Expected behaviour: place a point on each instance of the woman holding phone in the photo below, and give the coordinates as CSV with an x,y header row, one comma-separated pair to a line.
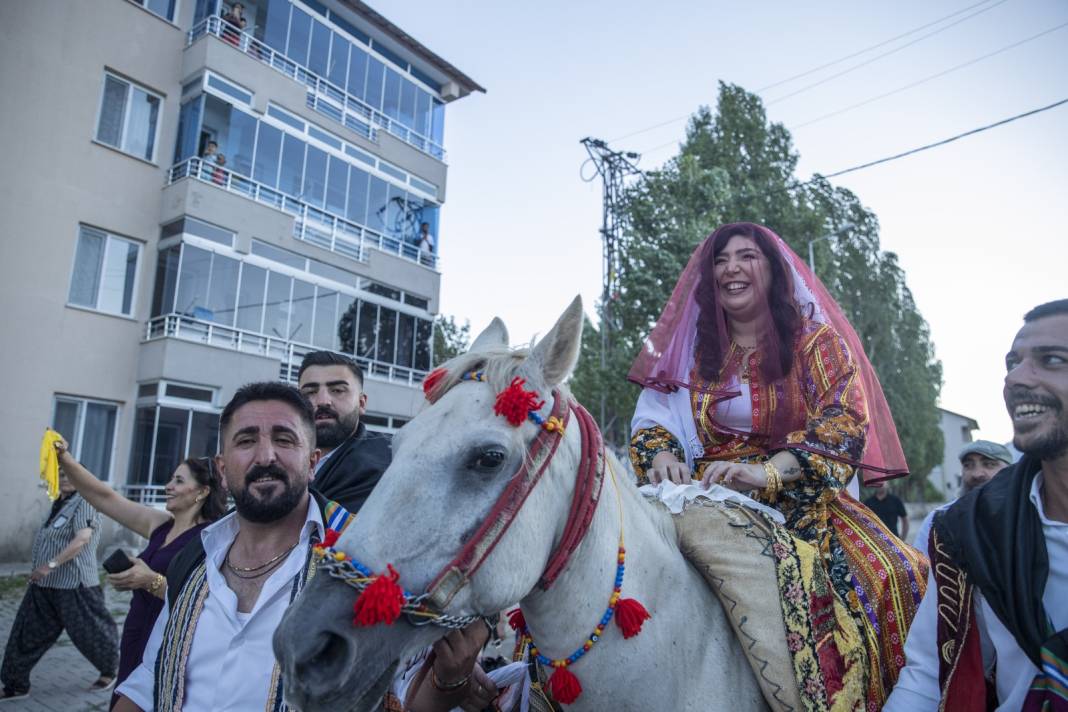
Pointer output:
x,y
195,497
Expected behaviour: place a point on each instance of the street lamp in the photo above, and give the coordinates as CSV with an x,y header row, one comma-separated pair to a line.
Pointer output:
x,y
811,254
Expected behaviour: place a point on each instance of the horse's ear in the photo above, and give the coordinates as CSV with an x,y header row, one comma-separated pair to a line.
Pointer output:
x,y
495,336
557,354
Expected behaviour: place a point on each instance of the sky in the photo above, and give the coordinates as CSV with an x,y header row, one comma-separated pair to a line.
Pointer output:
x,y
979,225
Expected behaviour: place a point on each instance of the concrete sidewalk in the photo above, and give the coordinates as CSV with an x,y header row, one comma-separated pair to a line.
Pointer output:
x,y
60,681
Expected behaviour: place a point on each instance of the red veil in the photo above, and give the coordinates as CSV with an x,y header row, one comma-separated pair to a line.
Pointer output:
x,y
666,360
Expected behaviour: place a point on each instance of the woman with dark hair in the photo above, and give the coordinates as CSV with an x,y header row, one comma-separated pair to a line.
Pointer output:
x,y
755,384
196,497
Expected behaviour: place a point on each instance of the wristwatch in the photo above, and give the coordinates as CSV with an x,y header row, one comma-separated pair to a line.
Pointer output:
x,y
52,564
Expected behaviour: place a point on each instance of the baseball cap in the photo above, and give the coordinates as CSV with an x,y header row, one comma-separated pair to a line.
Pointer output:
x,y
986,448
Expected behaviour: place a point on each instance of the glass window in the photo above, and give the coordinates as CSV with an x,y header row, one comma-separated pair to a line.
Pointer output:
x,y
324,334
348,314
391,95
339,59
166,280
292,168
299,33
229,89
314,177
276,26
222,292
407,105
105,270
238,143
356,210
171,428
300,320
337,185
422,112
437,123
129,118
268,148
89,427
387,335
319,54
193,279
277,254
203,435
375,72
141,457
188,129
405,340
250,298
276,311
163,8
367,330
357,79
424,334
165,436
377,205
203,10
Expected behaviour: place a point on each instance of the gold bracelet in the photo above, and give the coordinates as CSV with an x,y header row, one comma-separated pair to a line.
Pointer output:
x,y
157,585
448,686
774,485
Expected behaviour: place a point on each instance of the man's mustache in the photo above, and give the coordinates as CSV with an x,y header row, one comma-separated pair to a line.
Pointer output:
x,y
258,471
327,411
1018,395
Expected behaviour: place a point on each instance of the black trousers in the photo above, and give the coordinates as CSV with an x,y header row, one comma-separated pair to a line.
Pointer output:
x,y
43,615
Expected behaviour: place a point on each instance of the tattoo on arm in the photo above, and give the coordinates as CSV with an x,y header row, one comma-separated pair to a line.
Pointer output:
x,y
791,471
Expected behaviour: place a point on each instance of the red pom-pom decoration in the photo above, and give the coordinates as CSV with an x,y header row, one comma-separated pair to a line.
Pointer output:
x,y
330,538
432,380
516,620
564,687
516,402
630,615
380,602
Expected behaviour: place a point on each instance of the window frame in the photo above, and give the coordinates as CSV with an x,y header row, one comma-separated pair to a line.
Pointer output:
x,y
76,441
130,84
95,307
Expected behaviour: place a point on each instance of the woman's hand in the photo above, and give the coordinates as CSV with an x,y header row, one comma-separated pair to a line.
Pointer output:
x,y
736,475
667,467
62,447
135,577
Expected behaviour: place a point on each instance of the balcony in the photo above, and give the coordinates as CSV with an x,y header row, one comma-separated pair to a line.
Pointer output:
x,y
326,98
152,495
312,225
289,353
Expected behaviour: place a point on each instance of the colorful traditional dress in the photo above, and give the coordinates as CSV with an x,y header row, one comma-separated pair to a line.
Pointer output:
x,y
880,578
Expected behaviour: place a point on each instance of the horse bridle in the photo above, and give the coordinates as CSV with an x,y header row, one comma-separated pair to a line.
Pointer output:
x,y
429,607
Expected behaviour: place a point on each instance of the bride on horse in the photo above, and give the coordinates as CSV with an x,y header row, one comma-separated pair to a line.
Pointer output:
x,y
754,379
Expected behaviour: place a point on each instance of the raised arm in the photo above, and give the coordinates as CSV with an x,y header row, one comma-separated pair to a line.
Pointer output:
x,y
138,518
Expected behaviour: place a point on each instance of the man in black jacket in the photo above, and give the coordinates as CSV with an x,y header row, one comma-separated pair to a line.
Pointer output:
x,y
353,458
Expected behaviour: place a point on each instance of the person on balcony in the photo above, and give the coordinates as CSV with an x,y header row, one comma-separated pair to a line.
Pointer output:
x,y
194,496
235,23
426,244
353,458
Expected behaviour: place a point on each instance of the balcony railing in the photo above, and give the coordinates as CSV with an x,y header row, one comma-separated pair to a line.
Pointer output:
x,y
289,353
313,225
324,96
152,495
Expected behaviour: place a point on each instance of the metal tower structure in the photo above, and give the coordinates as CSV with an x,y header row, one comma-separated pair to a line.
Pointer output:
x,y
614,167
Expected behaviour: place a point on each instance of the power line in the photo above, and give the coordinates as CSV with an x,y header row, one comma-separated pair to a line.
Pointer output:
x,y
823,66
928,78
877,57
869,49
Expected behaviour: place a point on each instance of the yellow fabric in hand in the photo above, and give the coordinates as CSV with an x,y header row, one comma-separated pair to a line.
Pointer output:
x,y
50,463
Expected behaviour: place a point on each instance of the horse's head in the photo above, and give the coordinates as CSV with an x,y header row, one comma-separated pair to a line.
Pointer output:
x,y
451,465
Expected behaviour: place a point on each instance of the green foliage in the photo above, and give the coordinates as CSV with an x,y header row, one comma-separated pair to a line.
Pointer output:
x,y
735,166
450,339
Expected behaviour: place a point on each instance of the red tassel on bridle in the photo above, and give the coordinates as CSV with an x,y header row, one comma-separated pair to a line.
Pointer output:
x,y
381,601
630,615
516,621
432,380
514,403
564,687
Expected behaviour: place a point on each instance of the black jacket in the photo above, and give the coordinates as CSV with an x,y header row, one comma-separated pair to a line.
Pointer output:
x,y
354,468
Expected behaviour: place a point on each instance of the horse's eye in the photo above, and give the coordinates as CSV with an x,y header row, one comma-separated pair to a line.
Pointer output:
x,y
487,460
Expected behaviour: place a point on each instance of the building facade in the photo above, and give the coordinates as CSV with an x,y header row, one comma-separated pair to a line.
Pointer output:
x,y
196,195
957,432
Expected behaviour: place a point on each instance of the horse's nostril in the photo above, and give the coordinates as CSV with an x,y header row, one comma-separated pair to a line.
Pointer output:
x,y
328,657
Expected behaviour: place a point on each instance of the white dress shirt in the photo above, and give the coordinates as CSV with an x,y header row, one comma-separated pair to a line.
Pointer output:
x,y
231,659
917,687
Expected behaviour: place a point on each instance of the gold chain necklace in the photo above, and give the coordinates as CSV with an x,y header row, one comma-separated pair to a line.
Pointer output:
x,y
248,569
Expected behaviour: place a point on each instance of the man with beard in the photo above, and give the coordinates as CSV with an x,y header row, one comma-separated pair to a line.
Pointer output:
x,y
353,458
227,590
995,633
979,462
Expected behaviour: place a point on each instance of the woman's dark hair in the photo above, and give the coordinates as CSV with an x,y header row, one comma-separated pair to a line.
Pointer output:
x,y
204,472
713,337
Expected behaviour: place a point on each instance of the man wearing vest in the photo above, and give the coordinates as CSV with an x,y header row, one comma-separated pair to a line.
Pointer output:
x,y
992,633
353,457
227,590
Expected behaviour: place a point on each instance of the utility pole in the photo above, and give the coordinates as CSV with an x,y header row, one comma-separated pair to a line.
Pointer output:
x,y
613,167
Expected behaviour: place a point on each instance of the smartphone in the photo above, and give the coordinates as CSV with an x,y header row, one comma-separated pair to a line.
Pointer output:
x,y
117,562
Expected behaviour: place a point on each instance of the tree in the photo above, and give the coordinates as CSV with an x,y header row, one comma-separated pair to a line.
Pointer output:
x,y
450,339
736,166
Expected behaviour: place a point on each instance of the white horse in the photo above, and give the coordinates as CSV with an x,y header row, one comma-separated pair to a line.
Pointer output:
x,y
450,464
